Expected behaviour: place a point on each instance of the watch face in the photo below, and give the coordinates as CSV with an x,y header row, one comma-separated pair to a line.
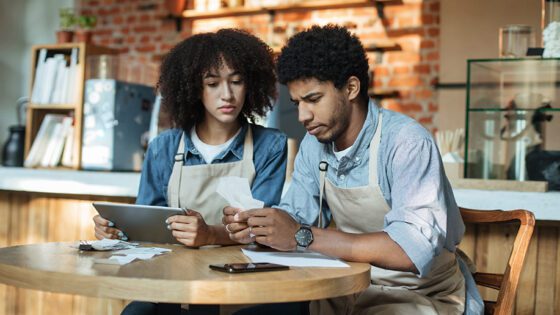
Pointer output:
x,y
304,237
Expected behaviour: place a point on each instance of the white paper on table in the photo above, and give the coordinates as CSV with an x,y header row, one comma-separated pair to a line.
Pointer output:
x,y
115,260
143,251
126,256
237,193
294,259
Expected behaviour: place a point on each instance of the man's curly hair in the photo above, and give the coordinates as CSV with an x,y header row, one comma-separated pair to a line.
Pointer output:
x,y
181,72
327,53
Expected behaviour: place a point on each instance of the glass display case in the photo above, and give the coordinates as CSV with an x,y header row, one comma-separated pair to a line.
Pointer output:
x,y
512,120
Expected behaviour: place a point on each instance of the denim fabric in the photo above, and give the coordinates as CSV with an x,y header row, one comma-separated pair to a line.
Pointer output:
x,y
424,217
269,158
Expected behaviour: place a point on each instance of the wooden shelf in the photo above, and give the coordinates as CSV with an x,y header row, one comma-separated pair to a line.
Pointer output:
x,y
37,112
383,93
52,106
300,6
383,45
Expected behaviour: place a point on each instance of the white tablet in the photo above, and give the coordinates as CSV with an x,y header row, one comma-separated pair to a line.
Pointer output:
x,y
139,222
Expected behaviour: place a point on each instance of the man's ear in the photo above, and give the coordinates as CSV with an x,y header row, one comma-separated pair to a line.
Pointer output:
x,y
353,88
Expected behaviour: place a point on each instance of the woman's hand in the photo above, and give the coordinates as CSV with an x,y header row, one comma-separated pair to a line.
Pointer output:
x,y
104,229
239,231
191,229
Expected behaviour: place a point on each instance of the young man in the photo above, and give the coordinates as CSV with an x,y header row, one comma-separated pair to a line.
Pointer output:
x,y
378,174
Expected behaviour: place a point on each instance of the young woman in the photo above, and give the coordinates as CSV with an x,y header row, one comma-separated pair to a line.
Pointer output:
x,y
213,85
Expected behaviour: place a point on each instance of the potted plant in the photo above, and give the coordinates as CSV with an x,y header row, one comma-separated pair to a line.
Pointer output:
x,y
67,22
85,24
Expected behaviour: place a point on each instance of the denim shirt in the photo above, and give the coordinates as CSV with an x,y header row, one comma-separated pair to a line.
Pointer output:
x,y
424,218
269,158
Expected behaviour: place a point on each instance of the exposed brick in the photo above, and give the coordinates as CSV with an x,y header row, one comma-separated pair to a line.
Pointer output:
x,y
411,107
433,32
427,43
146,48
409,81
428,19
380,71
432,56
145,29
401,70
423,94
422,69
117,20
143,39
426,120
434,7
404,57
433,108
131,19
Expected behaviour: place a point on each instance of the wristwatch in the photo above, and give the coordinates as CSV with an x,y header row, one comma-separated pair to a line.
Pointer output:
x,y
304,237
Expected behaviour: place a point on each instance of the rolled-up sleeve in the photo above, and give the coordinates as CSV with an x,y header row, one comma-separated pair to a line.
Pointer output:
x,y
301,200
418,217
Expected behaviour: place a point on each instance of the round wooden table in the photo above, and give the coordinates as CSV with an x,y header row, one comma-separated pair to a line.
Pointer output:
x,y
181,276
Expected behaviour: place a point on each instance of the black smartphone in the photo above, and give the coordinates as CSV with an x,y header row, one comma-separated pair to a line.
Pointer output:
x,y
248,267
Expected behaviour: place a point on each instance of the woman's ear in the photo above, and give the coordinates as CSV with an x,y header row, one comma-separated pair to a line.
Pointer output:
x,y
353,88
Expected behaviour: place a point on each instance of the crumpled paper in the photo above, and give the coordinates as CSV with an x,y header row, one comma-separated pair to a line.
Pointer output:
x,y
237,193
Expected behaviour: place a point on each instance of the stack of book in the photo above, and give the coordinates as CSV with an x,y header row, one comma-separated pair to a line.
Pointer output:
x,y
55,79
53,144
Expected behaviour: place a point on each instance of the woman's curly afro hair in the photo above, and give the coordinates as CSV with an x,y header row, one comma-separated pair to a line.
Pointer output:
x,y
327,53
180,81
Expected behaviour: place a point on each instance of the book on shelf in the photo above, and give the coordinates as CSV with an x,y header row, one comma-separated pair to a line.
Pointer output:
x,y
55,78
67,154
48,147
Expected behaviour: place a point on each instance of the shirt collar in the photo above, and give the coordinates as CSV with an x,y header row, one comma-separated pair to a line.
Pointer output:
x,y
364,137
236,147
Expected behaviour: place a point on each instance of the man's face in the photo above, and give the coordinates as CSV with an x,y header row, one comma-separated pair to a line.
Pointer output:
x,y
322,108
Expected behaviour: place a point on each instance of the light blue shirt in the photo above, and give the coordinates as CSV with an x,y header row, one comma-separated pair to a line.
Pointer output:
x,y
424,218
269,158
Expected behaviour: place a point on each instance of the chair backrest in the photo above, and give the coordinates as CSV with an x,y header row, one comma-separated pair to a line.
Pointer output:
x,y
507,282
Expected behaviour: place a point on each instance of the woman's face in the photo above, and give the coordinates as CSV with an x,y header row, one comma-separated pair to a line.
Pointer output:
x,y
223,94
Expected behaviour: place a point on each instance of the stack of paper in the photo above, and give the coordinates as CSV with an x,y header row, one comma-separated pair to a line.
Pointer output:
x,y
126,256
293,259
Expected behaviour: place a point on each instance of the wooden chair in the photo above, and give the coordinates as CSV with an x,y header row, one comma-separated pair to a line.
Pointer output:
x,y
505,283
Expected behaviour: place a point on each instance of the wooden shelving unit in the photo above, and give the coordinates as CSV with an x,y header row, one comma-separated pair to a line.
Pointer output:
x,y
36,112
383,93
300,6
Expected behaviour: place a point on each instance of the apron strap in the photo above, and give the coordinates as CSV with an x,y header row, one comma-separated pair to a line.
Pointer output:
x,y
374,145
248,145
323,167
175,180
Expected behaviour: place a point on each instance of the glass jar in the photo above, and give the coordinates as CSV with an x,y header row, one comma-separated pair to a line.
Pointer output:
x,y
514,40
102,67
551,11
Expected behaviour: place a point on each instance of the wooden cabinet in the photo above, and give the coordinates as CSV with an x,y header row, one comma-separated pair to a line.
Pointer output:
x,y
36,111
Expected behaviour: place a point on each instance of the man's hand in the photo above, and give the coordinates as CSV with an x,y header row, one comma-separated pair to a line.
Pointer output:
x,y
271,227
238,230
104,229
190,229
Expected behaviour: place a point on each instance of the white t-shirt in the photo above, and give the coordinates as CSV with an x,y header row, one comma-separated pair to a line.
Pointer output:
x,y
208,151
340,154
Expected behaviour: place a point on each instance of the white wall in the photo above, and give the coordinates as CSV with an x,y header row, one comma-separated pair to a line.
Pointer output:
x,y
469,29
23,23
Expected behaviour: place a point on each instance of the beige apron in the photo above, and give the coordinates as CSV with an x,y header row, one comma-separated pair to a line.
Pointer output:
x,y
362,210
194,186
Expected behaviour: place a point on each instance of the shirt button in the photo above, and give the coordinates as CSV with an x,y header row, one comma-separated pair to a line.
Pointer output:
x,y
341,176
357,159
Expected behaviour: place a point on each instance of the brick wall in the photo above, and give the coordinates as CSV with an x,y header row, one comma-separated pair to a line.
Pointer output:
x,y
139,29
